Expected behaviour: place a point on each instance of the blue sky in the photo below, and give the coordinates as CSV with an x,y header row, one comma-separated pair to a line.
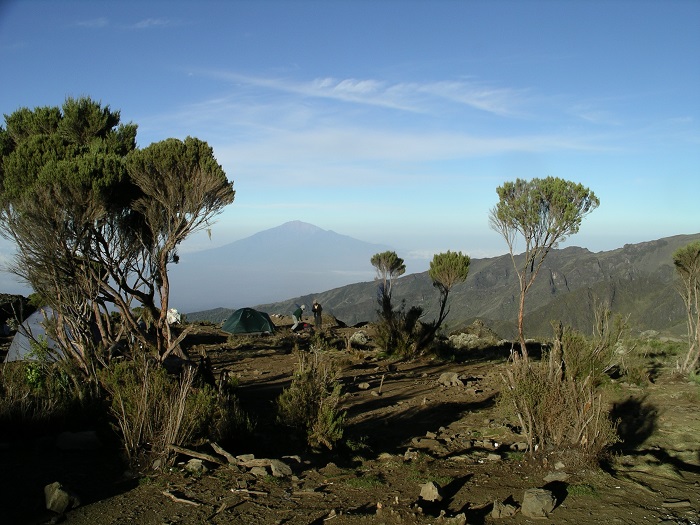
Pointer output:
x,y
392,121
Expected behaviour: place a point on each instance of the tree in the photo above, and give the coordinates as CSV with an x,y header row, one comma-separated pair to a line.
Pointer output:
x,y
62,178
687,263
447,270
183,188
390,267
544,212
96,221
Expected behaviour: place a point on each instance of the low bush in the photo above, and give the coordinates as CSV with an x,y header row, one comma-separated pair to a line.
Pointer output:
x,y
558,400
42,395
311,402
153,410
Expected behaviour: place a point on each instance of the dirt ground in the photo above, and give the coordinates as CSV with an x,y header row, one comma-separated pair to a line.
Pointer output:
x,y
403,430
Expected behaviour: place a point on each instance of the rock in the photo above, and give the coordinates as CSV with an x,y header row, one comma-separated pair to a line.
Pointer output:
x,y
538,503
430,492
359,338
196,466
410,455
59,499
503,510
433,445
280,469
363,386
676,503
259,472
493,457
556,476
450,379
459,519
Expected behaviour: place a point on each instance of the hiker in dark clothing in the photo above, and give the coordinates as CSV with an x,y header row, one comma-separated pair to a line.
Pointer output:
x,y
316,309
296,316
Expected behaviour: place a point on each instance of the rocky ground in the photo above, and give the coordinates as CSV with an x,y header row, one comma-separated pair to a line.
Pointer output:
x,y
425,443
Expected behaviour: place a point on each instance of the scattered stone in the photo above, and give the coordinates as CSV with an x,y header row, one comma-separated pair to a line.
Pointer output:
x,y
376,393
676,503
432,445
459,519
385,456
538,503
556,476
259,472
430,492
60,499
359,338
280,469
450,379
559,466
493,457
520,446
503,510
243,458
410,455
196,466
363,386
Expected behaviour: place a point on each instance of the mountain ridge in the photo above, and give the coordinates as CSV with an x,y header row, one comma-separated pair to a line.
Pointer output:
x,y
285,261
636,281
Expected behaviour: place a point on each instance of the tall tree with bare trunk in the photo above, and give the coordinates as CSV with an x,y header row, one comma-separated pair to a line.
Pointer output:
x,y
687,263
96,221
543,213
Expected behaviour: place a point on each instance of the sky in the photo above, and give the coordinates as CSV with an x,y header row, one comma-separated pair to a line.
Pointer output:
x,y
391,121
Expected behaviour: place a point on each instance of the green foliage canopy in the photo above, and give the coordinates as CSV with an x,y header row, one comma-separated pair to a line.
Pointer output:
x,y
389,267
448,269
687,263
543,212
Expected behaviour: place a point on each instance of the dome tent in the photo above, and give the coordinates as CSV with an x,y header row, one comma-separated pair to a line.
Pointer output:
x,y
248,321
32,329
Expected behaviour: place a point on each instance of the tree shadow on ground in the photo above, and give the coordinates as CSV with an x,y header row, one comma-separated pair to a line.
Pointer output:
x,y
637,421
393,431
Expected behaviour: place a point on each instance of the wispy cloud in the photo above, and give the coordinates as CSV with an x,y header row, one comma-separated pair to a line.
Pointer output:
x,y
93,23
407,96
594,115
148,23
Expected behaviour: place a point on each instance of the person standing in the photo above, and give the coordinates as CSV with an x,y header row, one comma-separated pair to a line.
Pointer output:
x,y
296,316
316,309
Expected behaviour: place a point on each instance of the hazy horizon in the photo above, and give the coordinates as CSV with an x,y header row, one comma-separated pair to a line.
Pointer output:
x,y
391,122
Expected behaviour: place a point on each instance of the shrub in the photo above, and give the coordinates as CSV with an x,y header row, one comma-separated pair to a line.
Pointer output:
x,y
399,331
558,400
311,402
154,410
43,394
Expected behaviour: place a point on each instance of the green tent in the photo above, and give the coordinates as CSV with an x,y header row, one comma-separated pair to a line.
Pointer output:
x,y
248,321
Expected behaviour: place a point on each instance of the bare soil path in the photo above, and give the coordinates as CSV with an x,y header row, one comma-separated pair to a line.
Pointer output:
x,y
404,429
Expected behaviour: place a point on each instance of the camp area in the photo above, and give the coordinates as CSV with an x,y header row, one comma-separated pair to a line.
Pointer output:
x,y
248,321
